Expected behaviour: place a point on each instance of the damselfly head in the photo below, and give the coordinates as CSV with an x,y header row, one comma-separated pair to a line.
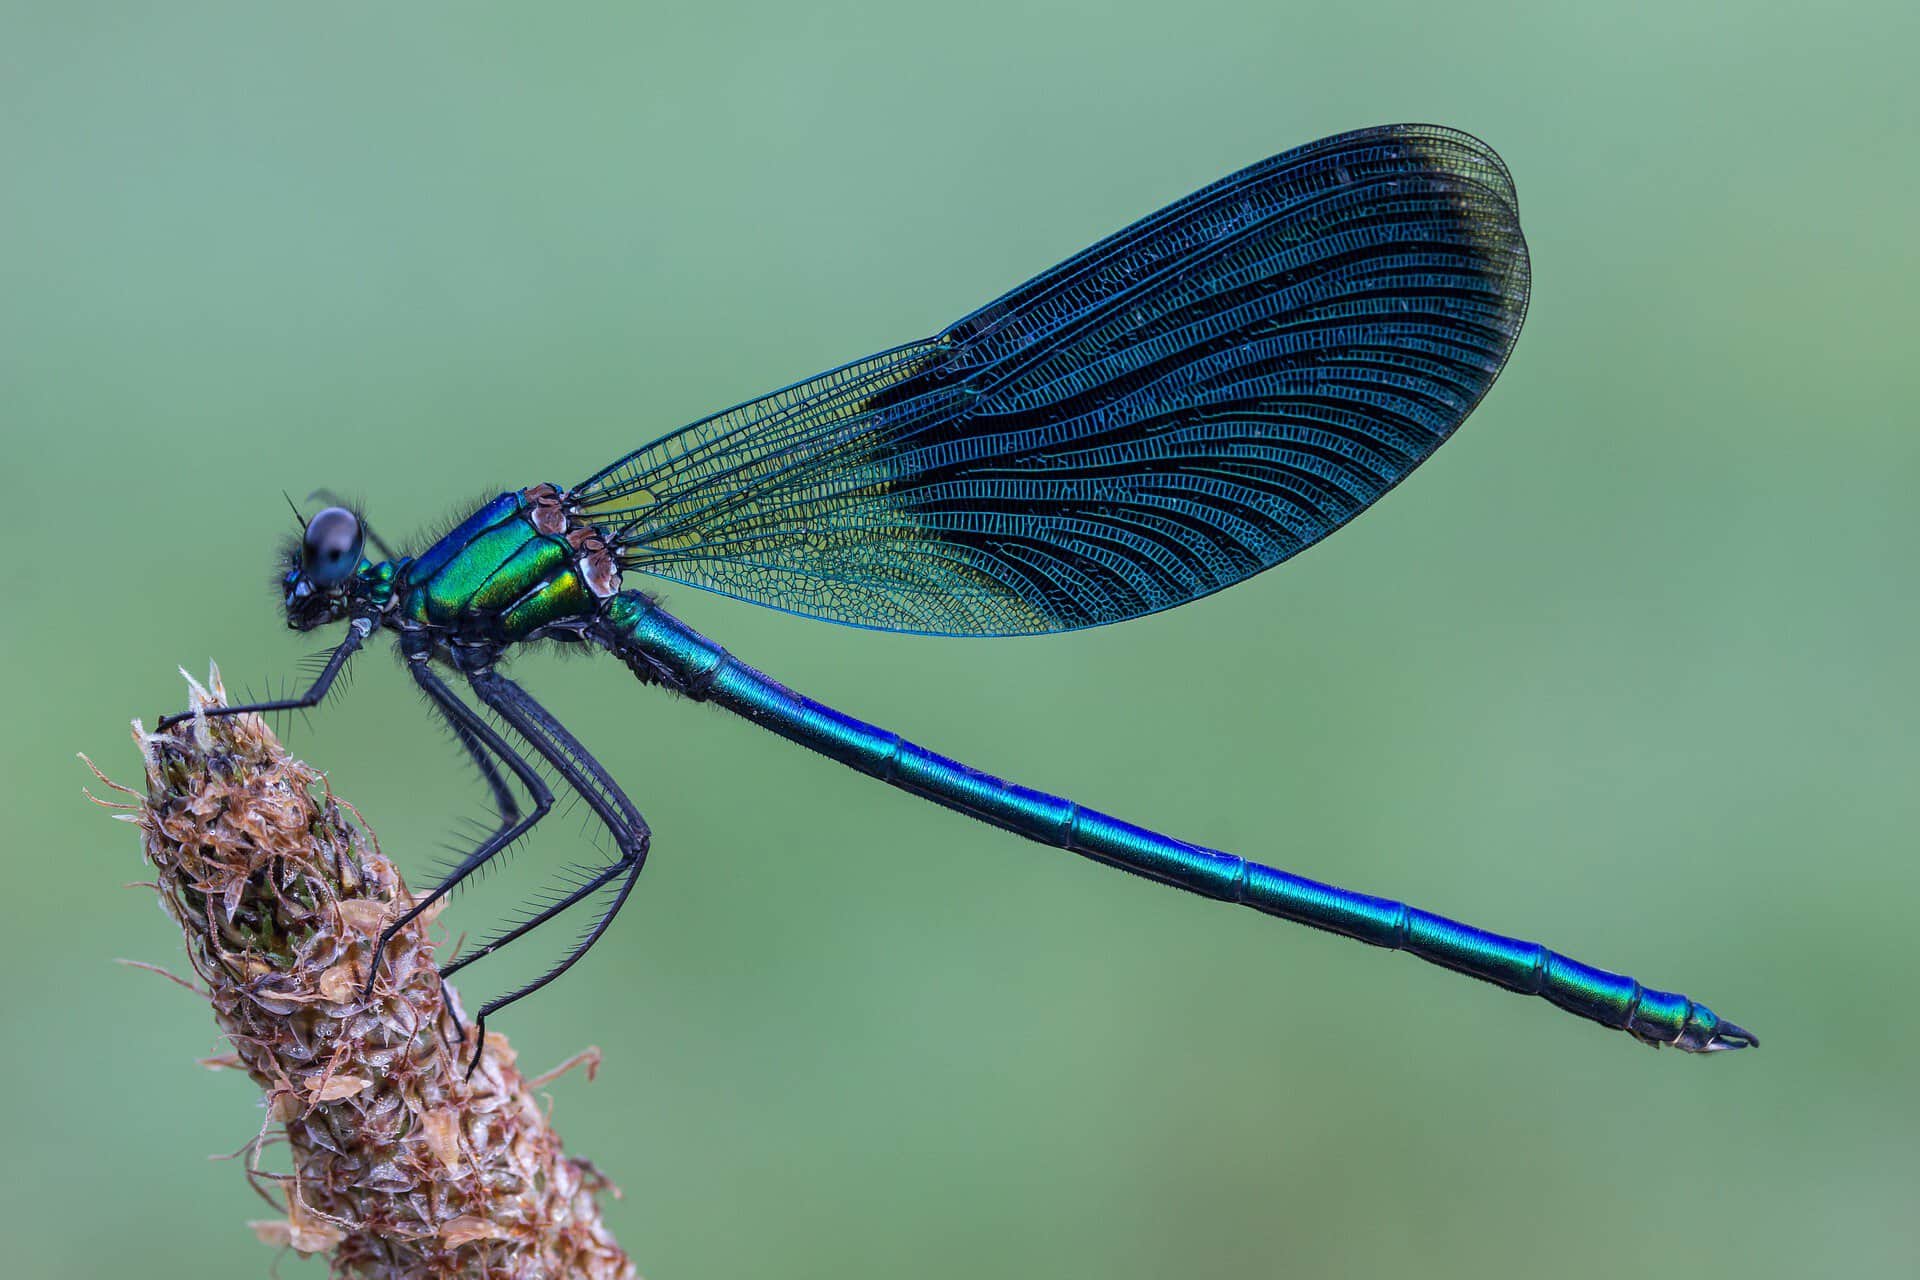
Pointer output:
x,y
321,569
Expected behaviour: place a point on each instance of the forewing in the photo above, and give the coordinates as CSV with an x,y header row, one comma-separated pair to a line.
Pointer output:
x,y
1182,405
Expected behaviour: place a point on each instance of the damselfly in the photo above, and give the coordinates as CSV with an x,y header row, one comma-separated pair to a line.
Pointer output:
x,y
1186,403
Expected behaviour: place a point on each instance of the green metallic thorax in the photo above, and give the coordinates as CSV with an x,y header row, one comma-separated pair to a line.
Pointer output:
x,y
495,577
377,581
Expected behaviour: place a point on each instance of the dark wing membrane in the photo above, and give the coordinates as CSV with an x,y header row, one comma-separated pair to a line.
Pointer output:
x,y
1184,404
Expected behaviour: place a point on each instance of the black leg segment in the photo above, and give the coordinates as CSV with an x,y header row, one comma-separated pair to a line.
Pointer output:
x,y
475,733
356,635
581,772
504,802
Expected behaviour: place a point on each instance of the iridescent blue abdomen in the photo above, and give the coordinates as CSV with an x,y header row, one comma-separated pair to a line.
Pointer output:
x,y
659,647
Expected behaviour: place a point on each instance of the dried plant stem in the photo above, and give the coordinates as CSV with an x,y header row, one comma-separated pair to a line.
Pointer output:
x,y
402,1167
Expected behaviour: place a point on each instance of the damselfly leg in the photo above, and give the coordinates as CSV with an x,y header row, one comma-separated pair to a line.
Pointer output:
x,y
504,803
581,772
316,692
474,733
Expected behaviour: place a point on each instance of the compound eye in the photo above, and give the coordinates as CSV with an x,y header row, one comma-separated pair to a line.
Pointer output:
x,y
331,550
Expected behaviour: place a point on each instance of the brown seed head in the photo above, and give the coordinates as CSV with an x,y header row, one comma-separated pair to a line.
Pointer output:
x,y
401,1167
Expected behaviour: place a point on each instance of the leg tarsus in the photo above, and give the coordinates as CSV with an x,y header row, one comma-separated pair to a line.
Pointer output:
x,y
453,1012
479,1042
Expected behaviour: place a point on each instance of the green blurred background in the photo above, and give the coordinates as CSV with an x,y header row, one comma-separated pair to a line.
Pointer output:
x,y
1628,667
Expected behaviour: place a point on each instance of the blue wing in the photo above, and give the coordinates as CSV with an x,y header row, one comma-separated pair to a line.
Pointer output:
x,y
1184,404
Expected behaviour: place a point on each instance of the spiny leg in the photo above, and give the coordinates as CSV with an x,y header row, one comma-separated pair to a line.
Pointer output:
x,y
583,774
503,802
504,805
603,795
356,635
472,729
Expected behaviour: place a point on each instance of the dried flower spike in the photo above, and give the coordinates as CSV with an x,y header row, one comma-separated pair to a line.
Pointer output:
x,y
402,1166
